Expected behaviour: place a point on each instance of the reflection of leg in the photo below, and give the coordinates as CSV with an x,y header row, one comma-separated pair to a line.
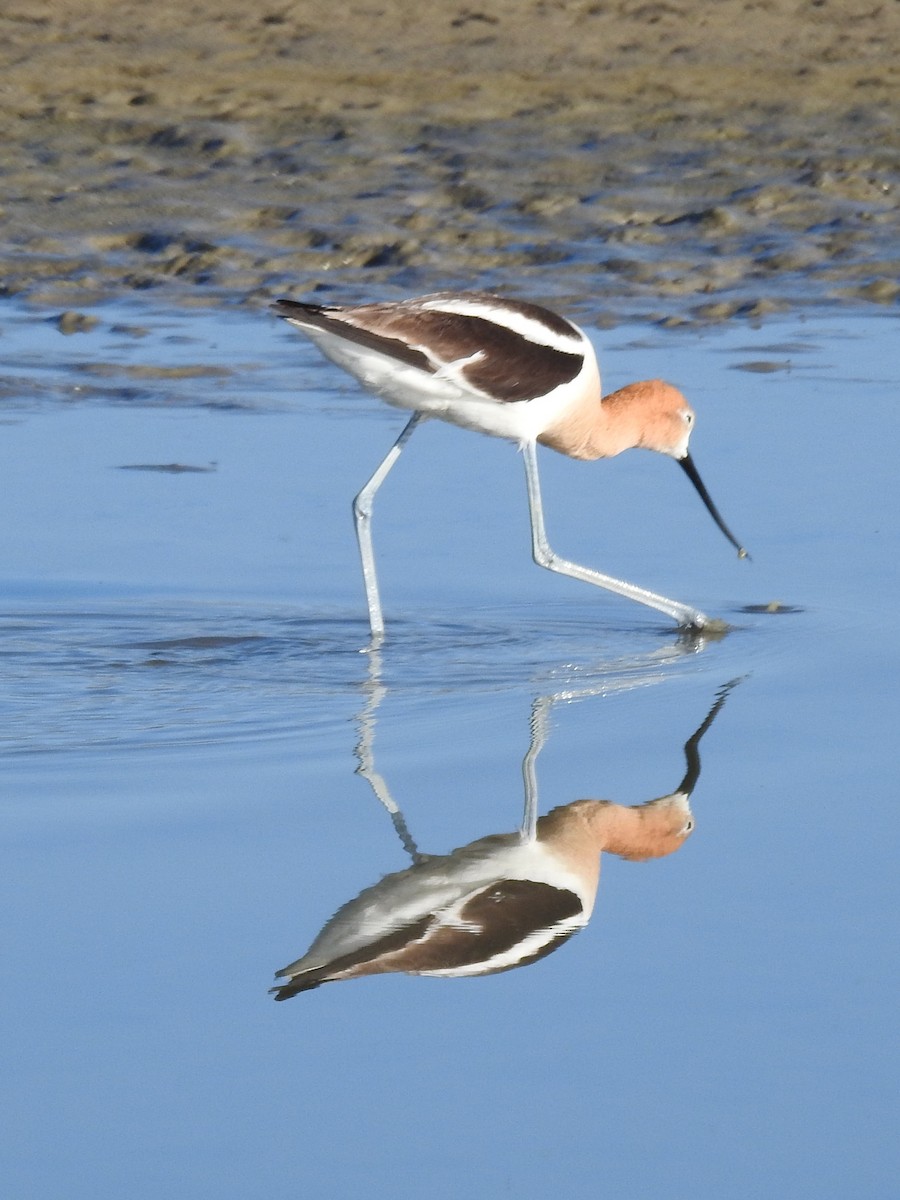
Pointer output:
x,y
365,757
540,712
544,556
362,515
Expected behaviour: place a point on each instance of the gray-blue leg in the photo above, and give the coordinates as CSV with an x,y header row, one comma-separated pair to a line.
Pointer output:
x,y
362,516
544,556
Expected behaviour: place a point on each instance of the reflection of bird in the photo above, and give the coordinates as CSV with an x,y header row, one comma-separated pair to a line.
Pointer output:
x,y
500,902
512,370
497,903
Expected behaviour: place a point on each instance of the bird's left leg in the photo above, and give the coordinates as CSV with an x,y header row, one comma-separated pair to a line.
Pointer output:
x,y
362,516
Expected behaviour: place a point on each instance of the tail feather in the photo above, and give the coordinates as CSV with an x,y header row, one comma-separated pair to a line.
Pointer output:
x,y
299,983
311,314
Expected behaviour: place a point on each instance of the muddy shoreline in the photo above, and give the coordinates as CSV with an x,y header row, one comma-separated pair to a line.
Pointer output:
x,y
680,161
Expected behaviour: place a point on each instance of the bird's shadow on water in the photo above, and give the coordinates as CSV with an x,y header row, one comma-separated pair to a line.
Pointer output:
x,y
504,900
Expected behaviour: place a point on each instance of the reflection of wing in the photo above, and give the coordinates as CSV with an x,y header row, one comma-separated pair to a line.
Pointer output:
x,y
497,903
506,924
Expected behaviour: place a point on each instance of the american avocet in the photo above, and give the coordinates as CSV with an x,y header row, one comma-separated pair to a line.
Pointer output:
x,y
500,902
513,370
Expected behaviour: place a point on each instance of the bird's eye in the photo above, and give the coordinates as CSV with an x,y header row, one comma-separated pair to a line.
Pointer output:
x,y
688,828
688,419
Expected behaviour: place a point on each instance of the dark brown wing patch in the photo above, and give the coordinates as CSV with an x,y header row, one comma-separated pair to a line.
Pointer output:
x,y
501,916
512,367
509,367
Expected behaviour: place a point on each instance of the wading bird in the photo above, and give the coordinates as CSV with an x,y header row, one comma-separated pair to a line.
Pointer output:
x,y
512,370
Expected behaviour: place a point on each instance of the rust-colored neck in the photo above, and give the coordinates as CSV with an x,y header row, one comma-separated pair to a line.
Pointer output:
x,y
581,830
637,416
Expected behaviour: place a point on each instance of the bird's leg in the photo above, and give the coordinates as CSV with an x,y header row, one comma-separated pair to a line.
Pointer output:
x,y
544,556
362,516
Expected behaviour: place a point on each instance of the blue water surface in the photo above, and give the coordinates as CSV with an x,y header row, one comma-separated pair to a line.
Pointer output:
x,y
182,689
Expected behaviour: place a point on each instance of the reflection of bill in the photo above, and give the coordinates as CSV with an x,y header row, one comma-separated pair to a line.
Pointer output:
x,y
500,902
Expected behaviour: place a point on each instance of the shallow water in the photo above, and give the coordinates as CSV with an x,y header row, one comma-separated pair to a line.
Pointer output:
x,y
183,693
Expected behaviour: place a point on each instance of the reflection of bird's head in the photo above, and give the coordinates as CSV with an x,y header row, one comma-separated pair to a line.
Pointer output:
x,y
645,831
656,828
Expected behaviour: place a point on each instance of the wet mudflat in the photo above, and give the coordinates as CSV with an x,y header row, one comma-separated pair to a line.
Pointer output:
x,y
679,160
185,707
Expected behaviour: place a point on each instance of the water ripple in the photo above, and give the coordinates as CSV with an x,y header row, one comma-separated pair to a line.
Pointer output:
x,y
172,673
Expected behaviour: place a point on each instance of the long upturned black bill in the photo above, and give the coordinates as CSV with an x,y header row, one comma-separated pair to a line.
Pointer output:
x,y
687,465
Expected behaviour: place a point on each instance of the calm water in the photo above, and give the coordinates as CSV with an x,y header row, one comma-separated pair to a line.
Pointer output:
x,y
182,693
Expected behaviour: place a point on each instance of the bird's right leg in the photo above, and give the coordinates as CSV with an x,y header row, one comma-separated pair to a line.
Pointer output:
x,y
362,516
683,614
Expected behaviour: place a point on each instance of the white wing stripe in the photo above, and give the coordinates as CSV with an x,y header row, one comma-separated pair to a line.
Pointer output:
x,y
528,327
